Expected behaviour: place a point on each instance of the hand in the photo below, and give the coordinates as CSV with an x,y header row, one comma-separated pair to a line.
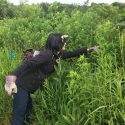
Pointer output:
x,y
10,86
93,49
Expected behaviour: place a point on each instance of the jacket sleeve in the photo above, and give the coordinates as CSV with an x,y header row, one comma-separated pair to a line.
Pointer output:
x,y
75,53
36,61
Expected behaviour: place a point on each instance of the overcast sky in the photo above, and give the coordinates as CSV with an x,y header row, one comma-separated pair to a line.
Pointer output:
x,y
67,1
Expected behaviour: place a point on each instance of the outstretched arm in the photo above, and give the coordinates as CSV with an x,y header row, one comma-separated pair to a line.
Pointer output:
x,y
76,53
43,57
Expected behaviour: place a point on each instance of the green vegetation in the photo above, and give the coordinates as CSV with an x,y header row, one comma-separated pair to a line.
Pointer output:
x,y
83,91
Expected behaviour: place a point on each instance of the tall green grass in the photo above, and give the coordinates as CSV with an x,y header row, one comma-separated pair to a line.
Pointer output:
x,y
87,90
82,91
81,95
6,66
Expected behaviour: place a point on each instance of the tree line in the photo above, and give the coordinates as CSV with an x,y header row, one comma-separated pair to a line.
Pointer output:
x,y
9,10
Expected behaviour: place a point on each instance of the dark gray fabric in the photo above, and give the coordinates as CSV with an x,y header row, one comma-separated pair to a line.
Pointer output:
x,y
33,72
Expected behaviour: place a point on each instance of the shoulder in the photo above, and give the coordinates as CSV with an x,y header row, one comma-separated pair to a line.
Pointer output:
x,y
46,54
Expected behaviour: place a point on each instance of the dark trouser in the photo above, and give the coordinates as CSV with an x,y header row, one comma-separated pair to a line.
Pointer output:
x,y
22,105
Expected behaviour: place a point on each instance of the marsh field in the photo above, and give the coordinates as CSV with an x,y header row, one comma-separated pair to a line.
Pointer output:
x,y
87,90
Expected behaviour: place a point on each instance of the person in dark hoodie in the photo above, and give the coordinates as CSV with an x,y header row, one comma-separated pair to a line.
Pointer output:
x,y
30,75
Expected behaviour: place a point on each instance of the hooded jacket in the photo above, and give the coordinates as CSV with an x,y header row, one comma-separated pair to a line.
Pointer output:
x,y
32,73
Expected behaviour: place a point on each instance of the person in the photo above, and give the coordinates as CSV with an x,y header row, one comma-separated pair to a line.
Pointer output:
x,y
30,75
